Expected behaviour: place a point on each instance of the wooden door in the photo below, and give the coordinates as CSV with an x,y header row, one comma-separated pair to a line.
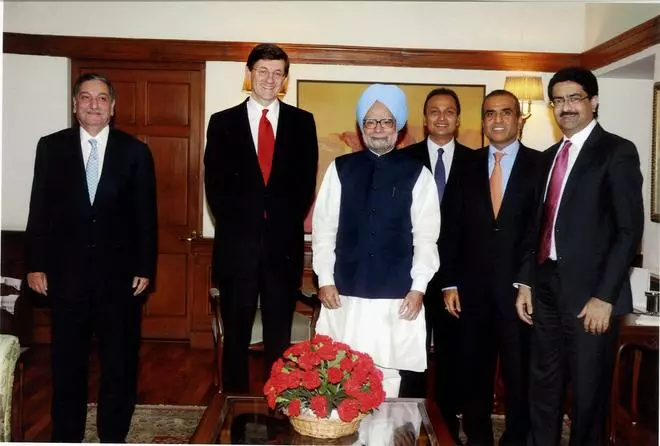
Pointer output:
x,y
163,105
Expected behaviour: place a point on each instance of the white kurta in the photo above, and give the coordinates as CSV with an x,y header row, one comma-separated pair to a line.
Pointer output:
x,y
373,325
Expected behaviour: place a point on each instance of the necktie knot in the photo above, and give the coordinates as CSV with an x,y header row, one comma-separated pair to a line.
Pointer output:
x,y
441,151
498,156
264,112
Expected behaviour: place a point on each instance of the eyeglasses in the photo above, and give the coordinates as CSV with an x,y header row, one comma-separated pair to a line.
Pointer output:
x,y
571,100
263,73
386,123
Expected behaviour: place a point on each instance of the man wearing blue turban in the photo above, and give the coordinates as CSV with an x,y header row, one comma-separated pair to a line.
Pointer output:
x,y
374,232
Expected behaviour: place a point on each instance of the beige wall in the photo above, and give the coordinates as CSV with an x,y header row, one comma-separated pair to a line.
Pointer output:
x,y
607,20
461,25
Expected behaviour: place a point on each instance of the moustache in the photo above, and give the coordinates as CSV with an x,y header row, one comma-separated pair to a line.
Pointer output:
x,y
567,114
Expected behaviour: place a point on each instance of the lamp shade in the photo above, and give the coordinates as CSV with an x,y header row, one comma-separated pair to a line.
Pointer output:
x,y
526,88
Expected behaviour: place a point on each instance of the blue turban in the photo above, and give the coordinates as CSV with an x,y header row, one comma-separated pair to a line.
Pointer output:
x,y
389,95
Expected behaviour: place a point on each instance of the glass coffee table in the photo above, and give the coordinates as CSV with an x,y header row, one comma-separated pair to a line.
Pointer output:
x,y
247,420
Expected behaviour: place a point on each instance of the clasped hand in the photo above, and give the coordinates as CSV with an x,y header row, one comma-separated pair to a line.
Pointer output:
x,y
409,309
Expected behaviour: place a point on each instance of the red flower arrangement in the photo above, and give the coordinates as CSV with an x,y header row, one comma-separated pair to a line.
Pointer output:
x,y
321,375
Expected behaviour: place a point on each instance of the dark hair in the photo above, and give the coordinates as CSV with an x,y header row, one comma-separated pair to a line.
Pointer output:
x,y
442,91
585,78
500,92
267,51
93,77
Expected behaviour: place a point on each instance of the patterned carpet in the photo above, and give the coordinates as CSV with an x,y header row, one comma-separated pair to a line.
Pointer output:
x,y
154,424
165,424
498,430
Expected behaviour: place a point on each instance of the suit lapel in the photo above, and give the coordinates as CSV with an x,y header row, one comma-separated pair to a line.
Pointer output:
x,y
283,125
516,181
108,169
483,180
78,162
581,164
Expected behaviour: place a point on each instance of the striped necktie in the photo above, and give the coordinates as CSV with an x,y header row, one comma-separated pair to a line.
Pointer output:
x,y
92,170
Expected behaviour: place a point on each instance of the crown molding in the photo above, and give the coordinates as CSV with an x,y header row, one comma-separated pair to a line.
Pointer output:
x,y
625,44
162,50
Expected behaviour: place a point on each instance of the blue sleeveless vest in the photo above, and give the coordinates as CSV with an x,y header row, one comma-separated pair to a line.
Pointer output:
x,y
374,246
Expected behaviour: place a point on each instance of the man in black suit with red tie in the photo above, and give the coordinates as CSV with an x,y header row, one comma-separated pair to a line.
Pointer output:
x,y
482,242
443,155
588,228
260,176
91,250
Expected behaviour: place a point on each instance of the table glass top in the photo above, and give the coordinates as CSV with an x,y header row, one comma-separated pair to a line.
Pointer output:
x,y
247,420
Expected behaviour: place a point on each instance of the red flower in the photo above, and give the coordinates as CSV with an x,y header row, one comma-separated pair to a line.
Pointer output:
x,y
327,352
277,366
294,350
352,387
335,375
346,364
308,360
321,339
369,400
319,405
310,375
311,380
349,409
271,399
294,408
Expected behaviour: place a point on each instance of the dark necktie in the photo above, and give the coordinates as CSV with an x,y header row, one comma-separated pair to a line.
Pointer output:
x,y
552,202
265,145
440,180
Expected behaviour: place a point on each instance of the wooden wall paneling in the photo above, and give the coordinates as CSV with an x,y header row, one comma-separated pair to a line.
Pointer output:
x,y
199,283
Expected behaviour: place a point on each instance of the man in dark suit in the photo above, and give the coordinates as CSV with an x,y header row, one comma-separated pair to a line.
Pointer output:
x,y
443,155
261,160
589,226
91,248
482,246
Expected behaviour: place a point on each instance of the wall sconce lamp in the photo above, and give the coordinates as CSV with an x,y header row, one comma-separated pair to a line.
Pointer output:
x,y
526,89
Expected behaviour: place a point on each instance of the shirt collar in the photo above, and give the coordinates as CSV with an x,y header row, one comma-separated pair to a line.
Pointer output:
x,y
580,137
256,108
511,150
101,138
447,147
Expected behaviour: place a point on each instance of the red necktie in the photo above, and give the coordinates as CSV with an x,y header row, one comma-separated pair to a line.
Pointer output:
x,y
265,145
552,202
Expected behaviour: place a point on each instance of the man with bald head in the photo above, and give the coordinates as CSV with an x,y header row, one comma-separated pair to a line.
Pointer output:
x,y
374,232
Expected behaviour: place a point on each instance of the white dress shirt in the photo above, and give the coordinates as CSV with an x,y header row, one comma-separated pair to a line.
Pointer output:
x,y
577,141
254,110
374,326
101,144
447,156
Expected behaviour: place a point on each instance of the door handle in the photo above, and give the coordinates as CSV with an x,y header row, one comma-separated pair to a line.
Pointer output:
x,y
193,235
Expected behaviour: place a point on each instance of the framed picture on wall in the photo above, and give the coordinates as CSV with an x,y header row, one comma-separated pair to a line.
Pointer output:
x,y
333,105
655,156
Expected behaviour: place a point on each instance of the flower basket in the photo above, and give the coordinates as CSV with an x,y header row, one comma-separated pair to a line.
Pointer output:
x,y
324,387
325,427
